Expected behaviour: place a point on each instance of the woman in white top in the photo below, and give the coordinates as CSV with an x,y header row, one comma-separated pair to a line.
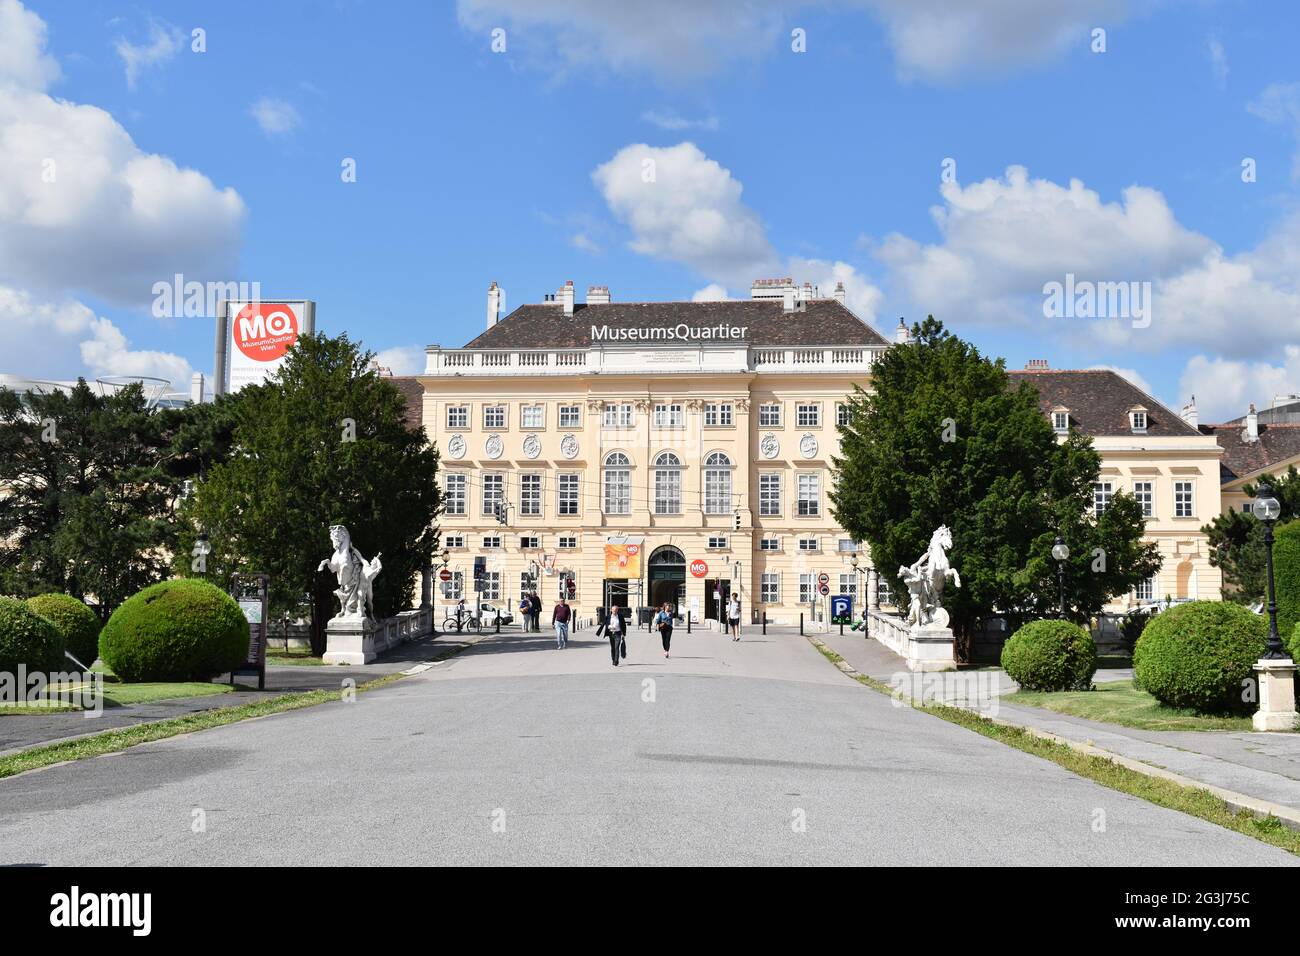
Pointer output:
x,y
733,616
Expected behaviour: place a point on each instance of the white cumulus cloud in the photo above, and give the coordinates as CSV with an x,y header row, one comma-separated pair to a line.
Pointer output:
x,y
275,117
1224,388
165,41
23,60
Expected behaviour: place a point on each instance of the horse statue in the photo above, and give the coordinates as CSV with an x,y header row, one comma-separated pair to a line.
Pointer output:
x,y
925,579
354,573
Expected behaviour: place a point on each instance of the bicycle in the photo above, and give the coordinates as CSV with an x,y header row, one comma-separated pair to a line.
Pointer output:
x,y
451,622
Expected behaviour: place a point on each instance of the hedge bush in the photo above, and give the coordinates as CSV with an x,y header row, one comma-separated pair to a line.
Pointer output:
x,y
29,639
1050,655
1286,575
175,631
1198,655
78,624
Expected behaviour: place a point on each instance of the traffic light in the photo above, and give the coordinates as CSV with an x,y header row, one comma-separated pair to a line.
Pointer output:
x,y
480,567
736,522
499,509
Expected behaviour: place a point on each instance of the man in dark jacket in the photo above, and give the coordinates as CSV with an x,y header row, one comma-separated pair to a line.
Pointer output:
x,y
614,626
536,604
560,621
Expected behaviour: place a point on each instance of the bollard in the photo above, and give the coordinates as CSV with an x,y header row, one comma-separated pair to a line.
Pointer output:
x,y
498,622
801,624
688,621
765,622
841,630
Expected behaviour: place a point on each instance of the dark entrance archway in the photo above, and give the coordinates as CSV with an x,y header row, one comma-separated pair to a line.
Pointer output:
x,y
667,567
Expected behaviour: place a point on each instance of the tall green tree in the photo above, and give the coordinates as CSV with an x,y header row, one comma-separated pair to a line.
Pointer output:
x,y
322,442
1236,540
942,438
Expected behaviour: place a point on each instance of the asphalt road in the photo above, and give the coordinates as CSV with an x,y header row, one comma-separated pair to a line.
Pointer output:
x,y
759,752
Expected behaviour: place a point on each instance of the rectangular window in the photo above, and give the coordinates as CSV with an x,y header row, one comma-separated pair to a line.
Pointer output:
x,y
669,416
618,415
807,587
668,491
884,593
570,416
1139,421
809,544
717,490
843,413
492,585
717,415
455,588
1060,422
532,416
808,416
769,544
810,495
1101,492
530,495
769,589
769,493
618,491
1146,590
494,494
847,546
769,416
717,542
849,584
491,542
527,583
453,542
568,542
529,542
1142,492
454,494
567,485
458,416
494,416
1183,507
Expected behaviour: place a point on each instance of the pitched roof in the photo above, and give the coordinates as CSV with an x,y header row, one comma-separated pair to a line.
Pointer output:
x,y
1099,401
413,392
545,326
1276,444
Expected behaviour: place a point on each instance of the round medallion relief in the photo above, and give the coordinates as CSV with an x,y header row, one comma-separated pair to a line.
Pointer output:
x,y
808,445
456,446
493,447
769,446
569,447
532,446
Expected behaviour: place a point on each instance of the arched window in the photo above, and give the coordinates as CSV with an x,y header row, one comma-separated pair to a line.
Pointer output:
x,y
668,484
717,484
618,484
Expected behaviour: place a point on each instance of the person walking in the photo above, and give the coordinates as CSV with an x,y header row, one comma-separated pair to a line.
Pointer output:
x,y
613,628
536,603
525,612
733,616
664,621
560,621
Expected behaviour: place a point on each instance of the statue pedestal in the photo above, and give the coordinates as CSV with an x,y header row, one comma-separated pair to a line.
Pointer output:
x,y
349,641
1276,695
931,648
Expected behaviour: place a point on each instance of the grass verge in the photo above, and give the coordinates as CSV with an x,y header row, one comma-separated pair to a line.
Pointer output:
x,y
1119,702
1165,793
122,738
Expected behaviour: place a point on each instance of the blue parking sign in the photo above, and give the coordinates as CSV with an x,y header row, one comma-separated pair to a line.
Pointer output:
x,y
842,609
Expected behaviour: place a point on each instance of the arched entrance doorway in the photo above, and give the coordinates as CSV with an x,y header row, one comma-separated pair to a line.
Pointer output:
x,y
667,567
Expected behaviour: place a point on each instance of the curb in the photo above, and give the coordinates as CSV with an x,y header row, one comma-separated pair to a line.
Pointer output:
x,y
1287,816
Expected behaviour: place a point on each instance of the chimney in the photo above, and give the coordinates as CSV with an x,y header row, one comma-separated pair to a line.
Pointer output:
x,y
493,305
196,388
566,297
901,335
1190,415
768,288
1037,365
807,294
1252,424
839,292
787,297
598,295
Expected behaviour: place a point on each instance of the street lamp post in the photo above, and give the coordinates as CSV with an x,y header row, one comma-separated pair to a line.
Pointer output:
x,y
1267,509
444,558
1061,552
1275,671
862,578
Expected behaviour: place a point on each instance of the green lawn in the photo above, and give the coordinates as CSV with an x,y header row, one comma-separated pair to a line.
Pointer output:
x,y
295,655
1119,702
121,695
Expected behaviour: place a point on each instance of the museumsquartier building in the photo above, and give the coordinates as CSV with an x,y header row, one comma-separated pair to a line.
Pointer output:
x,y
682,451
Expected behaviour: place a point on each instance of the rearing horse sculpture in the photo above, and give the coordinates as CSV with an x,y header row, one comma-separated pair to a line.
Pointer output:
x,y
925,581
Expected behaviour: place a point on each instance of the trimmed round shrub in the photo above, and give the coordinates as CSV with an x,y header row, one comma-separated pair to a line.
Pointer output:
x,y
1286,576
27,638
78,624
1050,655
175,631
1198,654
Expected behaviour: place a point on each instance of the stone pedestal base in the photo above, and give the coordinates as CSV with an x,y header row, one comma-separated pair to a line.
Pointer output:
x,y
1276,695
349,641
931,649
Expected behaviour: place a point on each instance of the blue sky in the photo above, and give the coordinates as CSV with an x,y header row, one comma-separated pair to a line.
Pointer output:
x,y
520,167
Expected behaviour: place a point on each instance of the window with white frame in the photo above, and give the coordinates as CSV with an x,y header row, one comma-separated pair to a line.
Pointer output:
x,y
617,415
566,484
769,544
849,583
454,542
884,593
494,491
717,484
455,588
1146,590
494,416
669,415
618,484
570,416
717,414
456,485
532,416
668,484
769,587
491,542
527,582
530,494
810,544
807,587
1248,508
769,415
717,542
1138,419
1061,421
808,415
847,546
843,413
492,585
1184,507
1101,494
458,416
769,493
1143,494
568,542
529,542
810,494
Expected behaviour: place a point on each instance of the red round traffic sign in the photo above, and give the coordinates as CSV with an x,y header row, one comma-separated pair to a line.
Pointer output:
x,y
824,588
823,579
444,575
698,568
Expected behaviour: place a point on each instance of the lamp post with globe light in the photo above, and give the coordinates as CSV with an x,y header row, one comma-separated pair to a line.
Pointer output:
x,y
1061,552
1267,509
866,615
1275,671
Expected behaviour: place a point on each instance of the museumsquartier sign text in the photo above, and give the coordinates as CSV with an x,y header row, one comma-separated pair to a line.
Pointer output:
x,y
681,331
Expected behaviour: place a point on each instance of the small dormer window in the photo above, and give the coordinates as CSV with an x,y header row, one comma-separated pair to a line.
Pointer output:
x,y
1137,419
1061,420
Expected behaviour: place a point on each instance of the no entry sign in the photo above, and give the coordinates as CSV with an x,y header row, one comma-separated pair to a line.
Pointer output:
x,y
699,568
444,575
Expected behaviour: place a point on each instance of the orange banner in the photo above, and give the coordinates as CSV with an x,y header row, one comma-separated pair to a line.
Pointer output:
x,y
622,560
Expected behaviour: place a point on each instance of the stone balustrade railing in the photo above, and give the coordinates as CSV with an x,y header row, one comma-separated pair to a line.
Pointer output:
x,y
921,648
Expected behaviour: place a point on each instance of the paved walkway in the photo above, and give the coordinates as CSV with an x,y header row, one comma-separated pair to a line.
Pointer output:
x,y
1265,766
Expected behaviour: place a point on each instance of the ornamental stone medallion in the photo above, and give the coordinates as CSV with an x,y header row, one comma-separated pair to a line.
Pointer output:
x,y
569,447
456,447
532,446
493,447
808,445
769,446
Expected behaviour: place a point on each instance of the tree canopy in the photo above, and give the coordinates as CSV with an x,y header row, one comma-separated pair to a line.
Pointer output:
x,y
1236,540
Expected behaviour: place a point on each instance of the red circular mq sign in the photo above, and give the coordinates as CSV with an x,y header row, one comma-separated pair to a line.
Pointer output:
x,y
264,330
699,568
